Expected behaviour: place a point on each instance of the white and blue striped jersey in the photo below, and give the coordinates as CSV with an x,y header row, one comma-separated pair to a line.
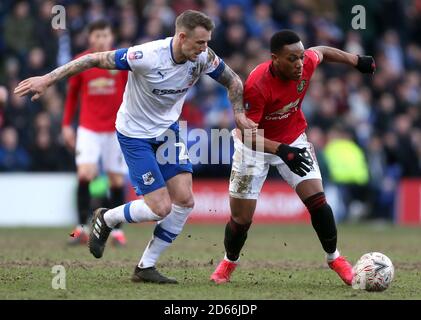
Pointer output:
x,y
157,86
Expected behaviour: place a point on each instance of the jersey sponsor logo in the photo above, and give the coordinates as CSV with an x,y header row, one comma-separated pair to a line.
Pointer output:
x,y
148,178
135,55
284,112
301,86
163,92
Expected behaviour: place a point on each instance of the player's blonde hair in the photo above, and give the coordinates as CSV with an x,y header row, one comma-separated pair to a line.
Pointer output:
x,y
190,19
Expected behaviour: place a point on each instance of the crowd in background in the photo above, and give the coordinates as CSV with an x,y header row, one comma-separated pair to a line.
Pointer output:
x,y
366,129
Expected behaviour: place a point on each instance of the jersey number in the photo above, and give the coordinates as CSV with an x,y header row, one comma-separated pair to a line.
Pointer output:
x,y
183,154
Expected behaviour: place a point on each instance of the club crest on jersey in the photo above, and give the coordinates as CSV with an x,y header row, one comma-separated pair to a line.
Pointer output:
x,y
192,70
136,55
148,178
301,86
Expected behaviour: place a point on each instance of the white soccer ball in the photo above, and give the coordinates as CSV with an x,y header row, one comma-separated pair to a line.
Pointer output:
x,y
373,272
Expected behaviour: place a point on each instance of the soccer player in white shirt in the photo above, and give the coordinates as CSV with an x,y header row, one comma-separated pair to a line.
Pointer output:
x,y
161,73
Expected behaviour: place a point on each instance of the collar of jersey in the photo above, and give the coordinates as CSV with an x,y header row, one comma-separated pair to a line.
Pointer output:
x,y
172,54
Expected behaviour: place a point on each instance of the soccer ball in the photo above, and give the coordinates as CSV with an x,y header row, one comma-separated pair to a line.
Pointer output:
x,y
373,272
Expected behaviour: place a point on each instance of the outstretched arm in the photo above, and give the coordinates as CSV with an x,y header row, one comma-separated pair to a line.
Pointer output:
x,y
364,64
38,85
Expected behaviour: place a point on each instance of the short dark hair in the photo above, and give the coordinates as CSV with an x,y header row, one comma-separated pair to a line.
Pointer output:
x,y
281,39
191,19
100,24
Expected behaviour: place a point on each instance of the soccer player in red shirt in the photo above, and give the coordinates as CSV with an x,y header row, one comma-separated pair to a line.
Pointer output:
x,y
100,93
273,95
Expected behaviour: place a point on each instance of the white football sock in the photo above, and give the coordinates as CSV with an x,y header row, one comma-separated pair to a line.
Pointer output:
x,y
165,232
332,256
132,212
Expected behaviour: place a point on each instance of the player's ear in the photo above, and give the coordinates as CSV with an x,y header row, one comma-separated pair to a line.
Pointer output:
x,y
274,57
182,36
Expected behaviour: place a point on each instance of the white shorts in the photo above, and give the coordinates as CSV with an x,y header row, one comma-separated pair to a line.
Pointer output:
x,y
93,146
250,168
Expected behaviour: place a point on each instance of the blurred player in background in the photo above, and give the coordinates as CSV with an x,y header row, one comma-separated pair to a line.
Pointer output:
x,y
273,94
100,93
162,72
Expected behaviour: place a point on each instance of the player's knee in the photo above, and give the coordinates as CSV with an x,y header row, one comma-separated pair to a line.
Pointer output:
x,y
242,215
86,175
187,202
162,209
116,180
243,219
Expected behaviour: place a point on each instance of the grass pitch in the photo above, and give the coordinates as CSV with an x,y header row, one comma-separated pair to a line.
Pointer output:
x,y
278,262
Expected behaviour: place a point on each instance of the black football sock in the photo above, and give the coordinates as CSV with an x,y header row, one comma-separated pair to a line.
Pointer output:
x,y
323,221
83,201
235,237
117,199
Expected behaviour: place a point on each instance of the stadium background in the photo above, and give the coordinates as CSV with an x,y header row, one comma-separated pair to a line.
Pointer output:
x,y
366,130
377,117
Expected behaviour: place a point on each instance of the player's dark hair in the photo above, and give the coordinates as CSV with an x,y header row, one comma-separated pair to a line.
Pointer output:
x,y
191,19
100,24
281,39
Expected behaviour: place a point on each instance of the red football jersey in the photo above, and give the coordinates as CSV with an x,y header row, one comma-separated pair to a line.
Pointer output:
x,y
275,104
101,93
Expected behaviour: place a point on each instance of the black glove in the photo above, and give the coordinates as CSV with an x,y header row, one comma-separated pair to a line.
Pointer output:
x,y
366,64
295,158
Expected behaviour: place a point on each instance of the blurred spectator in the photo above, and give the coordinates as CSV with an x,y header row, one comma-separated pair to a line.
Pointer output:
x,y
393,52
353,43
261,20
404,149
36,63
213,10
383,181
96,11
325,115
46,36
182,5
45,155
3,101
18,115
348,169
12,156
159,9
19,29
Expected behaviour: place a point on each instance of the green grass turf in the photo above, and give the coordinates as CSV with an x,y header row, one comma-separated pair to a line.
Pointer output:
x,y
278,262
